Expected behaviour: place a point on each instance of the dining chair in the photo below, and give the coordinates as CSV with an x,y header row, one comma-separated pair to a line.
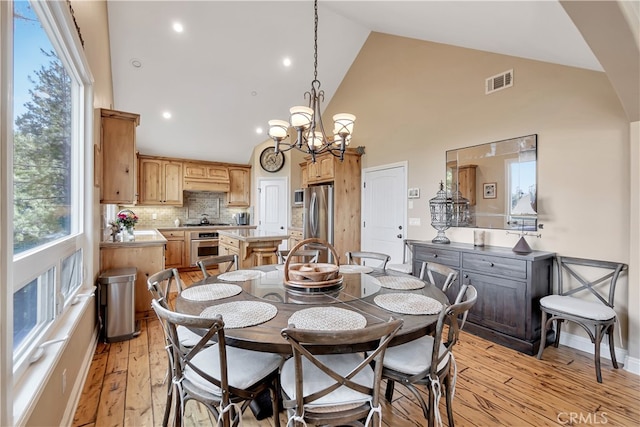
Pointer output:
x,y
302,255
231,260
224,379
407,259
446,276
334,389
160,285
595,315
382,259
420,362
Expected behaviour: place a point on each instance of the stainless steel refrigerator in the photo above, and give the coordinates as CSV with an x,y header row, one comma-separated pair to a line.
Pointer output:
x,y
318,214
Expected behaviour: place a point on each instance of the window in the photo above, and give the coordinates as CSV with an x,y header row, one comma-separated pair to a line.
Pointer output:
x,y
522,195
51,91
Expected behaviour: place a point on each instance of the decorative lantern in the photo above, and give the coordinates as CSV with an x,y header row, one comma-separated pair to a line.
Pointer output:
x,y
459,210
440,208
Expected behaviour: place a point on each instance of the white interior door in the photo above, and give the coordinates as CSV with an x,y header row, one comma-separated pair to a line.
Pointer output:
x,y
273,209
384,210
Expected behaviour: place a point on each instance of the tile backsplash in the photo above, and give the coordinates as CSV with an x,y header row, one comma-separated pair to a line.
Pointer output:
x,y
195,204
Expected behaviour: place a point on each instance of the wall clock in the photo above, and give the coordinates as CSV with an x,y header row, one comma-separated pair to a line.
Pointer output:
x,y
270,161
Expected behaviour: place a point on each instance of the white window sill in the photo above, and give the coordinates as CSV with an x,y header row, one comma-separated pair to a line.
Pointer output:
x,y
28,390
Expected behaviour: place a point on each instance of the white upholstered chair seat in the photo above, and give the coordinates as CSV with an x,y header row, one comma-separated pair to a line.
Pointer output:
x,y
413,357
187,337
315,379
577,307
244,367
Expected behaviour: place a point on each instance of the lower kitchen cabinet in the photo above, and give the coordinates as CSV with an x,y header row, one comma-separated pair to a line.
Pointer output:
x,y
295,237
175,255
509,288
146,259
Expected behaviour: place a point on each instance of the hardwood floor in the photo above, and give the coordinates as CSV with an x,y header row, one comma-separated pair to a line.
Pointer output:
x,y
496,386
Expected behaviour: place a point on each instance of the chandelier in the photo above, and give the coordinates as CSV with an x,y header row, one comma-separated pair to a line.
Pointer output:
x,y
311,137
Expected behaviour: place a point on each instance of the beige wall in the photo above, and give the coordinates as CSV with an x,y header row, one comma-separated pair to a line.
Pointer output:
x,y
414,100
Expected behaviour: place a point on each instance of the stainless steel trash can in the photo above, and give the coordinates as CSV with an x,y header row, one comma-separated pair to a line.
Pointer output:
x,y
117,304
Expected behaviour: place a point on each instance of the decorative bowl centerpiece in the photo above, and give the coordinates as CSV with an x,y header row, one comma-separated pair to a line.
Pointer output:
x,y
312,275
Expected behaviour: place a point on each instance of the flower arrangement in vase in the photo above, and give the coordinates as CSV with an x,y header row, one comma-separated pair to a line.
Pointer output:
x,y
126,219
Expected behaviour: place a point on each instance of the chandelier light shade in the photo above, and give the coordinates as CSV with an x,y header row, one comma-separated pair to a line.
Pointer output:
x,y
441,212
306,121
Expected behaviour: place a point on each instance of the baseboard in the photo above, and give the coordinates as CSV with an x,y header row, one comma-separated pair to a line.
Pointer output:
x,y
584,344
76,392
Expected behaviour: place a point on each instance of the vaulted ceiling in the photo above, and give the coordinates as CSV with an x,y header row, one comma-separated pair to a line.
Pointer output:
x,y
222,77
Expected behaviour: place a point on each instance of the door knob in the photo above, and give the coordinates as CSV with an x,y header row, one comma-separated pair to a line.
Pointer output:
x,y
281,228
399,236
399,227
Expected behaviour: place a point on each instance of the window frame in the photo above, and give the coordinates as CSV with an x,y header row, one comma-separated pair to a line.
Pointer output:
x,y
58,23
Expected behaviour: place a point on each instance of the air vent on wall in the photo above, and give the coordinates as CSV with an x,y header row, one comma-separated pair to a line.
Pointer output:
x,y
499,81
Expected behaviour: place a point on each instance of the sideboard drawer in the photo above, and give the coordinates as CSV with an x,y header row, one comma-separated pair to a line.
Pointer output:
x,y
508,267
440,256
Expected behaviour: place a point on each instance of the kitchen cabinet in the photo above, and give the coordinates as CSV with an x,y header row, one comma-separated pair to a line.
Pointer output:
x,y
243,241
323,170
239,194
202,176
346,179
147,259
229,246
509,289
467,183
295,237
160,182
304,176
175,255
118,154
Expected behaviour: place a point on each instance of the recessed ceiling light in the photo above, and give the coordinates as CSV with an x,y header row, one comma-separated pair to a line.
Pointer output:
x,y
254,93
166,115
259,130
286,62
136,63
177,27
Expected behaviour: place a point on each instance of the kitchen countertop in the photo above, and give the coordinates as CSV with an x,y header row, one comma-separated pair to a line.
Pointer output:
x,y
206,227
148,237
253,235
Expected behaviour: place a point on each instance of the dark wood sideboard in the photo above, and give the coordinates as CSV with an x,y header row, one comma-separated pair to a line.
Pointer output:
x,y
509,289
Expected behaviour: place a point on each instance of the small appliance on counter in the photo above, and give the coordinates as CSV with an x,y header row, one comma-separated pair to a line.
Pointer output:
x,y
242,218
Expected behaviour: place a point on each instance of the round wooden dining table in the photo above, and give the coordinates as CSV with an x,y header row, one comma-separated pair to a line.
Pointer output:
x,y
357,293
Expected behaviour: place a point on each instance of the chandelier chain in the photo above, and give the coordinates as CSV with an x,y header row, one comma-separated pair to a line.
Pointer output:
x,y
315,41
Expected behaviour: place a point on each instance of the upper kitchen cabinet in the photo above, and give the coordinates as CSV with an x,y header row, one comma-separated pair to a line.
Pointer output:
x,y
118,152
160,181
323,170
239,194
200,176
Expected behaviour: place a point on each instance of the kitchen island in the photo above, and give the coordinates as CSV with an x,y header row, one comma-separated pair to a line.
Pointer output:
x,y
243,242
145,253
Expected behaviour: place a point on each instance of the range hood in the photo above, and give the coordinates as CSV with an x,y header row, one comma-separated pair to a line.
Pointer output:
x,y
217,187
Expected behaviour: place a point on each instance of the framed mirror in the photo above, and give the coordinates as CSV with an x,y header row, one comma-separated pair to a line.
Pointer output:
x,y
499,181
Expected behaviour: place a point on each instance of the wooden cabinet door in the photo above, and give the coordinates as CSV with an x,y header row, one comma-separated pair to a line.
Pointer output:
x,y
304,177
467,183
172,188
174,255
118,141
150,182
323,170
160,182
239,194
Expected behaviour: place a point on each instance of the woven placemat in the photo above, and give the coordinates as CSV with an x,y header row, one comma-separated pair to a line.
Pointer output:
x,y
240,314
211,292
404,283
350,268
327,319
240,275
408,303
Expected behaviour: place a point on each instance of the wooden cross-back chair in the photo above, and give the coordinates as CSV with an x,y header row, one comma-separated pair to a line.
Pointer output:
x,y
382,259
301,255
596,316
429,360
223,379
231,261
334,389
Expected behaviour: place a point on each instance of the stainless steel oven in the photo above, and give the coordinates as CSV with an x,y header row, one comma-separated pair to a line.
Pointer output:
x,y
203,244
